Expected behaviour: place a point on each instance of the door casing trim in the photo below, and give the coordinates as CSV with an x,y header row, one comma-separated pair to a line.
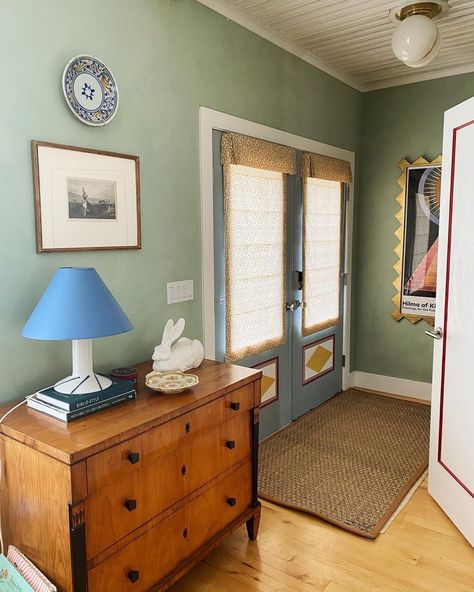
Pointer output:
x,y
210,119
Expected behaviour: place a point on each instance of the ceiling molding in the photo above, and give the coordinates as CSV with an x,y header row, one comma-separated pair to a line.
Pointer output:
x,y
225,9
420,77
261,31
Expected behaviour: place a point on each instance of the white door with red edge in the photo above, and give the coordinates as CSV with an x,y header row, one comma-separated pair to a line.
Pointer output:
x,y
451,470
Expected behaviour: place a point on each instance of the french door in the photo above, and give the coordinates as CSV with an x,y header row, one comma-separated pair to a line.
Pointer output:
x,y
279,283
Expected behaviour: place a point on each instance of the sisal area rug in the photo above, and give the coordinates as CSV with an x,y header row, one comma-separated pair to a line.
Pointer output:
x,y
350,461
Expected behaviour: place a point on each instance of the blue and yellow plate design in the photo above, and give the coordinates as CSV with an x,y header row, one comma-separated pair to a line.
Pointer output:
x,y
90,90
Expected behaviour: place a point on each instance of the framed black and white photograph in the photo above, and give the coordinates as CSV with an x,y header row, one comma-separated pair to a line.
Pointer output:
x,y
92,199
85,199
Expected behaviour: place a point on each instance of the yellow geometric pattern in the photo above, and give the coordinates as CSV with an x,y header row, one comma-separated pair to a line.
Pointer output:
x,y
267,382
318,359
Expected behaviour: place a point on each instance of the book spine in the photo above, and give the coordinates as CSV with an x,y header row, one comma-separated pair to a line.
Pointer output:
x,y
95,400
69,406
72,415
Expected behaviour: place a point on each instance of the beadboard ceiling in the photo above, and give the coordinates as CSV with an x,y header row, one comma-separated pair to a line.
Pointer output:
x,y
351,39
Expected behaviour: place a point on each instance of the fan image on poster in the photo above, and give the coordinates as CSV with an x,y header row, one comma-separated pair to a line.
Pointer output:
x,y
420,243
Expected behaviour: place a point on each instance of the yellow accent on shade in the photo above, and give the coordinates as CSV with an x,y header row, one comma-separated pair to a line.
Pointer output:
x,y
318,358
267,382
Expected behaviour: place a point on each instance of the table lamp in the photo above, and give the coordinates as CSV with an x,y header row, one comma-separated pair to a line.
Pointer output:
x,y
77,306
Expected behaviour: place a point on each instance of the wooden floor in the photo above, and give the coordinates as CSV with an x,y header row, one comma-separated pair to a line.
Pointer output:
x,y
420,552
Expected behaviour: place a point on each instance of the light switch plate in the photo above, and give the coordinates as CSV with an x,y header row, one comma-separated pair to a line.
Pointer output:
x,y
180,291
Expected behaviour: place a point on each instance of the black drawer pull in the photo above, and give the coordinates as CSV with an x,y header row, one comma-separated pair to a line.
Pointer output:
x,y
183,470
187,428
235,406
230,444
133,457
231,501
133,575
185,533
131,505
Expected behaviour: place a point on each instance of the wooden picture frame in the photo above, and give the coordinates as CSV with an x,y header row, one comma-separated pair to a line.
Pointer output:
x,y
85,199
417,235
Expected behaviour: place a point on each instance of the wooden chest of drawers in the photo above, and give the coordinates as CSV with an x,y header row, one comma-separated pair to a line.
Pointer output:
x,y
131,498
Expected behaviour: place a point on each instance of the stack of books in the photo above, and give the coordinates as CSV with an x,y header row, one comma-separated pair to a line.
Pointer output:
x,y
70,407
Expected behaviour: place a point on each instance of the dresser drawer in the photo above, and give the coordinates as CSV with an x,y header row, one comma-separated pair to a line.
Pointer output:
x,y
116,510
239,401
236,441
145,561
120,461
120,507
176,538
218,507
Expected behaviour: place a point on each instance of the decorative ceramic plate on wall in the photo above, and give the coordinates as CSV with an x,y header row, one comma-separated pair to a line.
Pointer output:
x,y
90,90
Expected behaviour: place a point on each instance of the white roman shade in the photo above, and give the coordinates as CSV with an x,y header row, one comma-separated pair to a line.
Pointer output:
x,y
255,243
323,183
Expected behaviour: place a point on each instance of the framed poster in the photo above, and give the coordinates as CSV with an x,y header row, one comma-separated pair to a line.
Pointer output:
x,y
417,248
85,199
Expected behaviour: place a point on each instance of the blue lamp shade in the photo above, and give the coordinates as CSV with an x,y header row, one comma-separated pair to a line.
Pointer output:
x,y
76,305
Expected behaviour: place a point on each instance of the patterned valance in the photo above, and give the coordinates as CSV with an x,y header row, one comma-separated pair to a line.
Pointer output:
x,y
258,154
319,166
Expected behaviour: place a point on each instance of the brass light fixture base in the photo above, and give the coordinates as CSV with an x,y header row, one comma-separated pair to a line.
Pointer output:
x,y
429,9
432,9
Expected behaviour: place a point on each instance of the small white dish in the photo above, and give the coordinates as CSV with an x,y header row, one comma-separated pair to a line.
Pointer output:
x,y
170,382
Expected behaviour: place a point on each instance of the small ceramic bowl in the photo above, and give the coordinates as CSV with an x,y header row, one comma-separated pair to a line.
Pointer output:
x,y
170,382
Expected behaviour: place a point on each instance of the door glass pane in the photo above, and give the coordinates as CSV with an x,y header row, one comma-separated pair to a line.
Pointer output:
x,y
255,244
322,237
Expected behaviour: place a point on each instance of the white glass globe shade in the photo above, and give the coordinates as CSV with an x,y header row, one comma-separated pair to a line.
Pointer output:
x,y
428,57
415,40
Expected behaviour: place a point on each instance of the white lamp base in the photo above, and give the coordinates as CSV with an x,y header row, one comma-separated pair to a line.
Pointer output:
x,y
81,385
83,379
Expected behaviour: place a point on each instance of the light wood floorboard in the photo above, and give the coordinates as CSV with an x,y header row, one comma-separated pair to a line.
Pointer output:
x,y
421,552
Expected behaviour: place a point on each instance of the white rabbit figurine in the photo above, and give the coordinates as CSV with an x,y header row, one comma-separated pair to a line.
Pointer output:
x,y
183,355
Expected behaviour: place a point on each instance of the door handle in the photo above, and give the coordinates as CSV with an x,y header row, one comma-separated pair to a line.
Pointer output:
x,y
436,334
294,305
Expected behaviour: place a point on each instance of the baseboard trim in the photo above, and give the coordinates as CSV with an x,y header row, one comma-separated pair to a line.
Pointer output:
x,y
391,385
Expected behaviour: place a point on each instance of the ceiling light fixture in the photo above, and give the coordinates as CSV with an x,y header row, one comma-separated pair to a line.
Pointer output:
x,y
416,40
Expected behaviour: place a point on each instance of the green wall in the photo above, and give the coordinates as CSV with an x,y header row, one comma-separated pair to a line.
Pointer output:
x,y
169,57
400,122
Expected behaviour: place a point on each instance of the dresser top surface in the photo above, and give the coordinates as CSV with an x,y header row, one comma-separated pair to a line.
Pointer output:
x,y
72,442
